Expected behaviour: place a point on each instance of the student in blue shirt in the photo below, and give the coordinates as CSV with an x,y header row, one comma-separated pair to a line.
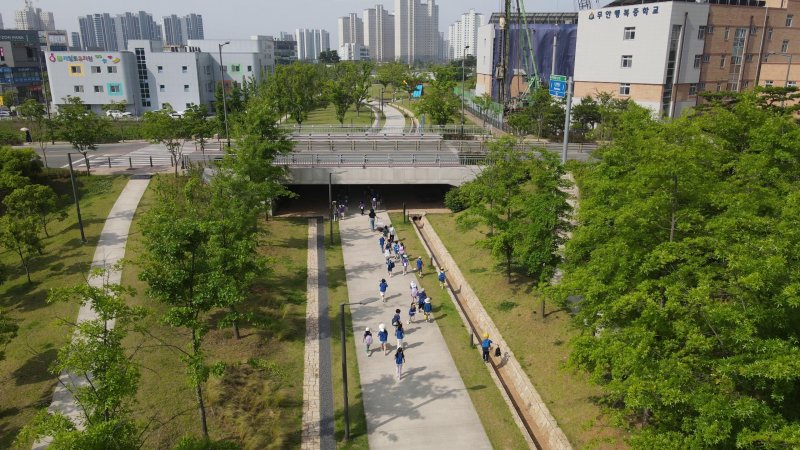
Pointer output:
x,y
399,333
383,338
382,241
399,359
428,308
441,277
419,266
486,345
382,288
396,318
421,296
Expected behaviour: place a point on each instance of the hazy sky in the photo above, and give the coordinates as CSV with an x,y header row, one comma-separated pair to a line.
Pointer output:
x,y
243,18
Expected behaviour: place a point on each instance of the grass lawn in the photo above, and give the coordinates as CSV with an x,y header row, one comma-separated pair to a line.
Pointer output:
x,y
337,293
26,385
492,409
327,116
540,345
256,405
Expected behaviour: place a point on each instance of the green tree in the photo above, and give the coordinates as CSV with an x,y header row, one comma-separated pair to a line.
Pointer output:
x,y
410,82
96,356
340,89
19,235
329,57
80,127
391,73
198,127
8,331
35,115
121,106
295,90
35,200
484,103
585,115
439,103
543,117
17,168
161,128
362,81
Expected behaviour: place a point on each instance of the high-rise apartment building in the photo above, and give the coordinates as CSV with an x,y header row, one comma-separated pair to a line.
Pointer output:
x,y
310,43
463,33
30,18
285,49
416,31
1,23
379,33
136,26
75,41
99,32
351,30
103,31
178,30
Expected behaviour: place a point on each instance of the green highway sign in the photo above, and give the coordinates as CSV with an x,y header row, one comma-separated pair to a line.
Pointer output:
x,y
558,78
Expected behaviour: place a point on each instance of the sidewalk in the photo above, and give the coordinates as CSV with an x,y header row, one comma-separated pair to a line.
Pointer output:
x,y
429,407
395,121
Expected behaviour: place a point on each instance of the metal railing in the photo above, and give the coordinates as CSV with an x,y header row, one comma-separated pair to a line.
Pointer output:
x,y
312,160
356,130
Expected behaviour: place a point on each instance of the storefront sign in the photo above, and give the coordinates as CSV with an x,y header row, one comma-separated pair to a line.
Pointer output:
x,y
623,12
84,58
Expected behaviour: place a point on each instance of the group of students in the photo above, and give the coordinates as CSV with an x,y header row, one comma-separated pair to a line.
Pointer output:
x,y
383,338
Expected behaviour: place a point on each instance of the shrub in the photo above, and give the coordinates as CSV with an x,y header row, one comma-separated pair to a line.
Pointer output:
x,y
455,200
11,138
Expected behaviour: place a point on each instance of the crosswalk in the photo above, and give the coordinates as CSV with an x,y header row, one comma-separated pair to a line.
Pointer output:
x,y
150,156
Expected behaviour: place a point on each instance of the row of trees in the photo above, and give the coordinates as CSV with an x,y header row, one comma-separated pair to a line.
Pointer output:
x,y
686,263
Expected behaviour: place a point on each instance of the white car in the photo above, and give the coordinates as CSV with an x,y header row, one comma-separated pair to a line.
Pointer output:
x,y
177,114
5,114
115,114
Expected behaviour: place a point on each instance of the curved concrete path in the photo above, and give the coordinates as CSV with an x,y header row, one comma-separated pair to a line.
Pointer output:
x,y
110,250
395,121
429,407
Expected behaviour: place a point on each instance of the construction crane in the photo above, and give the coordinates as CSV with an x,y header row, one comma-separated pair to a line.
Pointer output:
x,y
526,57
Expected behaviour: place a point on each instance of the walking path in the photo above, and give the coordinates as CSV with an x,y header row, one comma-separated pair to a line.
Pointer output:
x,y
429,407
110,250
395,121
318,430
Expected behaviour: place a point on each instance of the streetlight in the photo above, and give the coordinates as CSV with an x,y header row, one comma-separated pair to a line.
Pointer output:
x,y
788,66
463,79
344,368
224,100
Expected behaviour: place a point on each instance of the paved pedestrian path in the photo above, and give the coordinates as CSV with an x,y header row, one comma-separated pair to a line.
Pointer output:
x,y
110,250
429,407
395,121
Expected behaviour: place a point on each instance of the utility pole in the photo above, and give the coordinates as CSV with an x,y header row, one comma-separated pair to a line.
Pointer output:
x,y
567,120
502,69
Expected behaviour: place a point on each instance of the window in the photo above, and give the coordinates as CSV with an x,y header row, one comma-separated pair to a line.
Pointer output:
x,y
98,89
114,89
112,69
208,70
29,52
624,89
722,62
162,88
78,89
748,57
236,68
96,69
768,83
210,86
736,60
785,46
185,88
626,62
745,84
224,68
710,29
692,89
184,69
75,69
160,69
727,33
791,84
630,33
249,68
697,60
789,18
701,32
701,87
769,34
706,59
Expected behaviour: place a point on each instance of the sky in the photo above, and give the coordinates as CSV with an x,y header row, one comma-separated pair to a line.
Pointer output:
x,y
243,18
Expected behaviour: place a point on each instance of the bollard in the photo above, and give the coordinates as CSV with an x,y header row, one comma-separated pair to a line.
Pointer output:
x,y
130,162
109,162
151,161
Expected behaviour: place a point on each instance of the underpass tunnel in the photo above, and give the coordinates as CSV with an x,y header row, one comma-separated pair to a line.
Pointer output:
x,y
312,200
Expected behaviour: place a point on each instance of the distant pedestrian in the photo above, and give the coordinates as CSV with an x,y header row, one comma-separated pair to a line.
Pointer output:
x,y
404,261
428,308
382,242
421,296
387,253
486,345
396,249
402,248
400,334
367,340
441,277
414,290
342,209
399,359
392,232
396,320
390,267
361,207
383,338
382,288
372,219
412,311
374,203
385,231
419,266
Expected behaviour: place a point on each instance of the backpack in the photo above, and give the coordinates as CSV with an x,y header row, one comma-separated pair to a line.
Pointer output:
x,y
497,352
391,265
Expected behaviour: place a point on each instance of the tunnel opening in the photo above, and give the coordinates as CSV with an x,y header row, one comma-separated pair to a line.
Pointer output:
x,y
312,200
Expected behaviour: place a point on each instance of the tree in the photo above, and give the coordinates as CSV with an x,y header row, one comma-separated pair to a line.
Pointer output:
x,y
160,127
121,105
17,168
484,103
35,114
339,88
329,57
362,81
19,236
295,90
410,82
110,378
80,127
391,73
198,127
586,115
544,116
439,103
8,331
35,200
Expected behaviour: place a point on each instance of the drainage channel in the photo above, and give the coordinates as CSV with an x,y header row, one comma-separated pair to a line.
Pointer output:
x,y
510,393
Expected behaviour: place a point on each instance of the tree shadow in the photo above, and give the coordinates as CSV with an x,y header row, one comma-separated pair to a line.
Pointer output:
x,y
36,369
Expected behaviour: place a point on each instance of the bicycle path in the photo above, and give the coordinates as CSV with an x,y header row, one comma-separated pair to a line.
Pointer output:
x,y
429,407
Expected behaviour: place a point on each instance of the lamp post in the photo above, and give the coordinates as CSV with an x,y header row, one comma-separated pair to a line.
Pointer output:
x,y
224,96
788,67
463,79
344,367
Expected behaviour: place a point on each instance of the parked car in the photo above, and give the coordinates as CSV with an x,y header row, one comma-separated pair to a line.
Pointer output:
x,y
177,114
4,114
115,114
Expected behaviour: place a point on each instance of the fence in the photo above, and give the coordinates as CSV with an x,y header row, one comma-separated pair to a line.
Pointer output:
x,y
356,130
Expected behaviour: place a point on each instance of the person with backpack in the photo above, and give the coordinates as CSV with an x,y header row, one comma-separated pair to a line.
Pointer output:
x,y
383,338
441,277
386,252
486,345
396,249
382,288
421,296
372,219
390,266
396,318
428,308
399,333
399,359
419,266
412,311
367,340
382,242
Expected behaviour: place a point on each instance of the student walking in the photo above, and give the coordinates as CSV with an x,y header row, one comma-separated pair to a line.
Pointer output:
x,y
361,206
404,261
382,242
421,296
386,252
419,266
390,267
367,340
392,232
428,308
442,278
396,249
399,359
412,311
374,203
383,338
382,288
486,345
396,321
414,291
399,334
372,219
